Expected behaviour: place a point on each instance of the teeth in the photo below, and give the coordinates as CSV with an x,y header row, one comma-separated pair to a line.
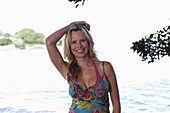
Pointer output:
x,y
79,50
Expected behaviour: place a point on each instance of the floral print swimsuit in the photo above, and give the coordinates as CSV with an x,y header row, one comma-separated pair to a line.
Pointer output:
x,y
93,99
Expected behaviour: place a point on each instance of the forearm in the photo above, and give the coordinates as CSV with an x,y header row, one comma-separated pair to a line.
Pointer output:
x,y
116,109
56,36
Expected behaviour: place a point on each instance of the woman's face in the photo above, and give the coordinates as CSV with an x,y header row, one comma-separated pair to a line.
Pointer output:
x,y
79,44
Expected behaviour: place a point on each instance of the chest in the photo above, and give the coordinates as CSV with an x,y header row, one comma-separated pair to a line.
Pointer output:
x,y
87,77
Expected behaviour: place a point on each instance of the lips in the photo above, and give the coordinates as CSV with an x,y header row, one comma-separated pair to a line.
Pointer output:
x,y
80,50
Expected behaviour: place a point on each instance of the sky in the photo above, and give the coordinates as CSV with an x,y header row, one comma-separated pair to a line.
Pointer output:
x,y
112,21
112,18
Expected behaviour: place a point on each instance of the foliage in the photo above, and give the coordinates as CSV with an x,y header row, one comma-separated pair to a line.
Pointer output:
x,y
4,41
59,43
7,35
155,46
30,36
22,38
77,2
20,44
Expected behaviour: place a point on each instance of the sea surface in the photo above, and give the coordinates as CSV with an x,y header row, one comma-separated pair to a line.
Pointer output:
x,y
29,83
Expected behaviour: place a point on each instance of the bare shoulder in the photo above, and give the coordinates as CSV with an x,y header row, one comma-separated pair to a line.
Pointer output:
x,y
99,64
108,68
107,65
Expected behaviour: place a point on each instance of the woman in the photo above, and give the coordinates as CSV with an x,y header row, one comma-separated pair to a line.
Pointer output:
x,y
90,80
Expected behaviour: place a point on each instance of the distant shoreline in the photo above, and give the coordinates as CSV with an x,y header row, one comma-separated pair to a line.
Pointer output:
x,y
12,47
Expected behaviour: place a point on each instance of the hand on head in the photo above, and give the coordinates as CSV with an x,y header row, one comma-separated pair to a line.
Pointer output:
x,y
83,23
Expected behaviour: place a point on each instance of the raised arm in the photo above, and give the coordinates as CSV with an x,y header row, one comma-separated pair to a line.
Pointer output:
x,y
53,51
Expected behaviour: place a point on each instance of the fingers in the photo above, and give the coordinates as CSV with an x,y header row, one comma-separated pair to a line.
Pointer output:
x,y
84,23
88,26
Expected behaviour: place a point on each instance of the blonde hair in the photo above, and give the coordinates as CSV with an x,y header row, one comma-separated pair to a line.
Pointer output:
x,y
72,67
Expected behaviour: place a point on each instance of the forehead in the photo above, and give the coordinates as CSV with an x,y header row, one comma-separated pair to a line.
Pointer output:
x,y
75,35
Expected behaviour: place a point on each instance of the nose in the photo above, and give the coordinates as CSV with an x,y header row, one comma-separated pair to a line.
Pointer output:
x,y
79,44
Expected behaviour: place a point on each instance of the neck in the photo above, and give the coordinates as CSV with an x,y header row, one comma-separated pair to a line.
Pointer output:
x,y
83,62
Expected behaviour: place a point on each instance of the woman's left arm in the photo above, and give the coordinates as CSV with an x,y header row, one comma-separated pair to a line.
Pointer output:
x,y
114,92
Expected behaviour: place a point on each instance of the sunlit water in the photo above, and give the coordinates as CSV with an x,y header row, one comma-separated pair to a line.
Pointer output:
x,y
29,83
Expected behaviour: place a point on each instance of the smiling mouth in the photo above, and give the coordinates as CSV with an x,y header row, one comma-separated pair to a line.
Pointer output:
x,y
80,51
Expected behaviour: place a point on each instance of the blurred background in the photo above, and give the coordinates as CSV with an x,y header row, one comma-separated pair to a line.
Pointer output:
x,y
29,83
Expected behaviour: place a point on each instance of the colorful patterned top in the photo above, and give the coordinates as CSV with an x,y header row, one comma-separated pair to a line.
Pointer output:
x,y
93,99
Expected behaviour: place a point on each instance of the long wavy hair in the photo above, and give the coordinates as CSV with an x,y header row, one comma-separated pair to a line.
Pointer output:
x,y
72,67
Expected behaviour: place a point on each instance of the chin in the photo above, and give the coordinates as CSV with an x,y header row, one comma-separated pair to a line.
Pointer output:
x,y
81,56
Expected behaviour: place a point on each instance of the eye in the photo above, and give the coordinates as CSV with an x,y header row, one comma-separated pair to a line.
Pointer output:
x,y
83,40
73,42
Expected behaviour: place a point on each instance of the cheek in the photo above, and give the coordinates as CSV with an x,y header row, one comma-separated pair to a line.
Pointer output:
x,y
72,47
86,45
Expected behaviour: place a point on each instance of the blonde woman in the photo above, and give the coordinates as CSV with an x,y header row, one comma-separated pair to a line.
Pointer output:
x,y
90,80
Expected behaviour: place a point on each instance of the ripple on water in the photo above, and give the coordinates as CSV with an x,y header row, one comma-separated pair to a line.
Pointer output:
x,y
23,110
5,109
165,82
138,103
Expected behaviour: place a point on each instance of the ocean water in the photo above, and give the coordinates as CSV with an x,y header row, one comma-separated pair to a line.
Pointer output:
x,y
29,83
